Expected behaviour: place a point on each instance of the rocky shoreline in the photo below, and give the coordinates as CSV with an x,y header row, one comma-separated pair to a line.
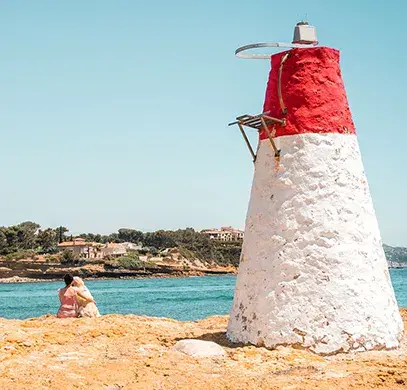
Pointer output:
x,y
18,279
173,265
33,272
138,352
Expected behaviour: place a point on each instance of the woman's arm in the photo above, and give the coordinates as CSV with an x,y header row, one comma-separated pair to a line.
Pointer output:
x,y
85,297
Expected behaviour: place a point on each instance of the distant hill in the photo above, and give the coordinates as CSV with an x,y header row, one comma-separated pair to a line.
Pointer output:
x,y
29,240
396,256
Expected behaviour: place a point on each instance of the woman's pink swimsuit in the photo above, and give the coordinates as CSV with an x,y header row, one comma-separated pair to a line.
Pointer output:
x,y
69,307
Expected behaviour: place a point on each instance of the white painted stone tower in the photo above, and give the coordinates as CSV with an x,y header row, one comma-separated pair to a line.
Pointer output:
x,y
312,272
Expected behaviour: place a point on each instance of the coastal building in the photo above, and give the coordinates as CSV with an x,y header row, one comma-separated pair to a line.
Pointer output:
x,y
224,234
113,249
95,250
83,249
130,246
313,272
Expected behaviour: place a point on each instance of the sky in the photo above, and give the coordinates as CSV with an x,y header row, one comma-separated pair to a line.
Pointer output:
x,y
114,113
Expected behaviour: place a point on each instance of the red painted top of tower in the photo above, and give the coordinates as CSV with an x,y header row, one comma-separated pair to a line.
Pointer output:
x,y
312,90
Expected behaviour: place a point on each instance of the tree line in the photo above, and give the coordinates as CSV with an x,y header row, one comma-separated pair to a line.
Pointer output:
x,y
29,236
17,240
191,243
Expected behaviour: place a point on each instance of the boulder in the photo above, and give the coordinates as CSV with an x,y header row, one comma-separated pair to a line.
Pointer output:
x,y
199,348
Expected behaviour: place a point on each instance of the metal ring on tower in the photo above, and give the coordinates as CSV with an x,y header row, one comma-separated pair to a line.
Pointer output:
x,y
240,51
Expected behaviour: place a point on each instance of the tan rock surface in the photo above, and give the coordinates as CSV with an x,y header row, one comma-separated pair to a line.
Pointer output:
x,y
132,352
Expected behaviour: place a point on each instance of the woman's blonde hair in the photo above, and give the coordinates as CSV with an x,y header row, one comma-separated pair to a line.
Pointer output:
x,y
78,281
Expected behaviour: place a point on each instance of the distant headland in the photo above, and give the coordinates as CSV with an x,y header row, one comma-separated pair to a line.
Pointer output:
x,y
31,253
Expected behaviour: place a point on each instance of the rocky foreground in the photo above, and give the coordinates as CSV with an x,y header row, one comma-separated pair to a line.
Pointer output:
x,y
133,352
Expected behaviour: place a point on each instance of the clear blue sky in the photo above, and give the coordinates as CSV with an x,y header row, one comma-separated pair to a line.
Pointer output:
x,y
114,113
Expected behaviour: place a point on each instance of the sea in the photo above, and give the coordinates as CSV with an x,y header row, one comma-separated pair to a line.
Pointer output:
x,y
184,299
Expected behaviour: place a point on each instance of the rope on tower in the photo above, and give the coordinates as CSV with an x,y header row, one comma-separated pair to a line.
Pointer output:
x,y
280,95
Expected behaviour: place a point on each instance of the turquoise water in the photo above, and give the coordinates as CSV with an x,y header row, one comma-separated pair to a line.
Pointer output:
x,y
183,298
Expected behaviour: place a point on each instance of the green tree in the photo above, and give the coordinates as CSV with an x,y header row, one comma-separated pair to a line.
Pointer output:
x,y
104,239
3,241
48,239
11,237
160,239
130,261
114,237
61,233
130,235
68,257
88,236
26,233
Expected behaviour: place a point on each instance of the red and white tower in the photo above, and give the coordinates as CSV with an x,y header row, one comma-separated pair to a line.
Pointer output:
x,y
312,272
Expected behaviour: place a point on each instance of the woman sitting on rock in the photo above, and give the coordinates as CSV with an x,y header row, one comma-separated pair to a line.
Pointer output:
x,y
86,304
68,297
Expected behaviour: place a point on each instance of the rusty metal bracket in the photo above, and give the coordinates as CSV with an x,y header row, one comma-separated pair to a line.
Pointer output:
x,y
265,127
247,142
280,95
259,122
